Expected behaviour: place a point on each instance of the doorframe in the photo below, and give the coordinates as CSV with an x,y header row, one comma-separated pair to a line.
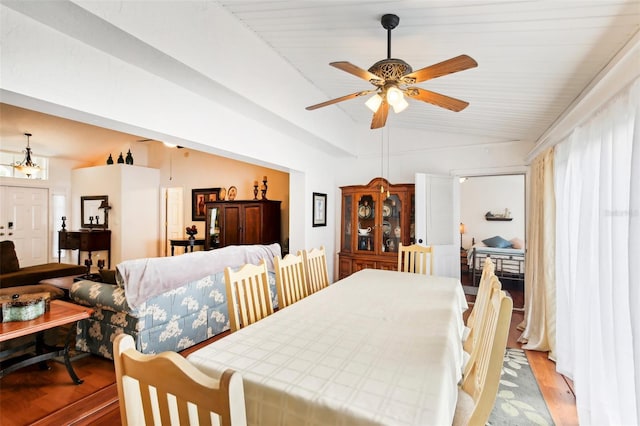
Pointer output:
x,y
165,216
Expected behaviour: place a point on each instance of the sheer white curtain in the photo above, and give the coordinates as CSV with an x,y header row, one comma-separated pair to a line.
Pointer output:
x,y
597,185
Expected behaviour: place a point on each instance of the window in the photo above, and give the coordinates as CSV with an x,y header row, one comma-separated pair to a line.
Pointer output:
x,y
7,159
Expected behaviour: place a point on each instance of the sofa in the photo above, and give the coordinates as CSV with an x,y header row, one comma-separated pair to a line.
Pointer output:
x,y
17,280
165,304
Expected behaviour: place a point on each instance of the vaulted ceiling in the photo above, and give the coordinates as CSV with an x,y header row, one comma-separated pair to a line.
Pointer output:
x,y
534,59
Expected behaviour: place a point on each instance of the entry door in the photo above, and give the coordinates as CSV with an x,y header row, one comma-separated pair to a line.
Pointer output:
x,y
23,218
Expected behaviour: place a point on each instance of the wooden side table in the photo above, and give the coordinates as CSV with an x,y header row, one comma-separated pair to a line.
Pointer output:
x,y
60,313
187,243
464,266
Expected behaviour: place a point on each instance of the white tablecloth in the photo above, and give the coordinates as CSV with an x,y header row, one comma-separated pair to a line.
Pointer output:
x,y
378,347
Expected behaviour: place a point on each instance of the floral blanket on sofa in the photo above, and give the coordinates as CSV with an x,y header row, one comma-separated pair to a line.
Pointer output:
x,y
171,321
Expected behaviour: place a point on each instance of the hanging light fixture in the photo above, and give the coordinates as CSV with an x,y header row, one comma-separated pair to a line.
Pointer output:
x,y
27,166
394,96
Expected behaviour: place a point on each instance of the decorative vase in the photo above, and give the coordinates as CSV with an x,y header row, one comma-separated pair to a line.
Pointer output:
x,y
120,159
110,159
129,159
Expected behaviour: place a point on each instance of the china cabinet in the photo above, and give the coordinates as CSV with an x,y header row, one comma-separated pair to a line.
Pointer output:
x,y
241,222
376,218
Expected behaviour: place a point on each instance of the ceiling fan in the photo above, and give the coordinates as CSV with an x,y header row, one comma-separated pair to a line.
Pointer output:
x,y
393,80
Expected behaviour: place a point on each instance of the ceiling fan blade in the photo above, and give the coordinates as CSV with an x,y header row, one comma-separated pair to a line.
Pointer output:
x,y
357,71
459,63
380,116
436,99
335,101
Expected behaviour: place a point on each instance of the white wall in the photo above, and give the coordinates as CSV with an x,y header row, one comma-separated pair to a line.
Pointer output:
x,y
134,197
478,195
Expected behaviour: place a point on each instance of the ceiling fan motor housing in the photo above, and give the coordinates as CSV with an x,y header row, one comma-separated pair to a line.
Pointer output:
x,y
391,69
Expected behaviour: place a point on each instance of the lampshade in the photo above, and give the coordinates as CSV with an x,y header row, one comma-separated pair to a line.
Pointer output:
x,y
394,95
374,102
400,105
461,228
27,166
104,205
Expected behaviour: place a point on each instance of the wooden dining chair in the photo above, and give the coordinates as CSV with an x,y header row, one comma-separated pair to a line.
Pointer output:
x,y
472,345
291,279
480,304
168,389
247,294
479,388
416,259
315,262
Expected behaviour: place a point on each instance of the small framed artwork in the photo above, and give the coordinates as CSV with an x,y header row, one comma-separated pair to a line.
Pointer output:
x,y
319,209
198,198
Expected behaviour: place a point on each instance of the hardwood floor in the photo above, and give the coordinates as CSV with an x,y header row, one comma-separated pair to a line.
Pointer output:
x,y
48,397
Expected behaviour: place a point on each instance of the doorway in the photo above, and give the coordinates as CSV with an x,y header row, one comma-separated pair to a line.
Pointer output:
x,y
494,206
23,220
173,217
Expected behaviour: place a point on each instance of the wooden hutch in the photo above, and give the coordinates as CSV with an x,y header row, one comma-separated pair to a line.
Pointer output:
x,y
375,218
241,222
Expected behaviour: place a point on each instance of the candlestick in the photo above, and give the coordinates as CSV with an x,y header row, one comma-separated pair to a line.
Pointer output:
x,y
264,188
255,190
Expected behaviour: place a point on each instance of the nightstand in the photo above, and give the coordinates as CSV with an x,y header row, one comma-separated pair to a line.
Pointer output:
x,y
464,267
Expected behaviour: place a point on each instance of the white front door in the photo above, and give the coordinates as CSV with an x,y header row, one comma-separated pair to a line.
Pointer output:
x,y
23,218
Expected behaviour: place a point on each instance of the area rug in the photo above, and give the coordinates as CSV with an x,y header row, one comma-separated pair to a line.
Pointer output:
x,y
519,401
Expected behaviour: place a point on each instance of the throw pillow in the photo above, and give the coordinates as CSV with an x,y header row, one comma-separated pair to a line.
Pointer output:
x,y
497,242
108,276
8,258
517,243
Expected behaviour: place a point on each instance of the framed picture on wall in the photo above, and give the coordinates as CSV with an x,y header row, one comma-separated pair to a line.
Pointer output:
x,y
319,209
198,198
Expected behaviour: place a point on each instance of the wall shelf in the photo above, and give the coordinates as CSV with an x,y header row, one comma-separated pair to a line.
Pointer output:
x,y
502,219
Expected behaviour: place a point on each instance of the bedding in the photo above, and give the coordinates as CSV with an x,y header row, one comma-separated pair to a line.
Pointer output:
x,y
509,262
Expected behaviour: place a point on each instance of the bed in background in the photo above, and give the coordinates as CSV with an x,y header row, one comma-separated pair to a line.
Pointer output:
x,y
507,255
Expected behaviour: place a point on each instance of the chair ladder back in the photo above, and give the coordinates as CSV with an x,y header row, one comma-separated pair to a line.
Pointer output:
x,y
247,295
482,379
487,282
416,259
473,343
291,279
179,385
317,271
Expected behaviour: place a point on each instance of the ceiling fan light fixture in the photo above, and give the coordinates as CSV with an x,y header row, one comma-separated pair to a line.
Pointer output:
x,y
394,95
27,166
400,105
373,103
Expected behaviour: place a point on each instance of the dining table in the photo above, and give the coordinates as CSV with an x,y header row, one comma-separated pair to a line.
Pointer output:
x,y
375,348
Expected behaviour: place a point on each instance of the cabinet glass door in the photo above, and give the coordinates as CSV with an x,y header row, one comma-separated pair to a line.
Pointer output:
x,y
391,223
366,223
347,210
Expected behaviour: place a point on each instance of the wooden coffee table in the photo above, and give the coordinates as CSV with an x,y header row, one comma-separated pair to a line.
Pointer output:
x,y
60,313
63,283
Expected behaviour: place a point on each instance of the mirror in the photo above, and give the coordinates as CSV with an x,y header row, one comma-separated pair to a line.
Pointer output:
x,y
92,215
